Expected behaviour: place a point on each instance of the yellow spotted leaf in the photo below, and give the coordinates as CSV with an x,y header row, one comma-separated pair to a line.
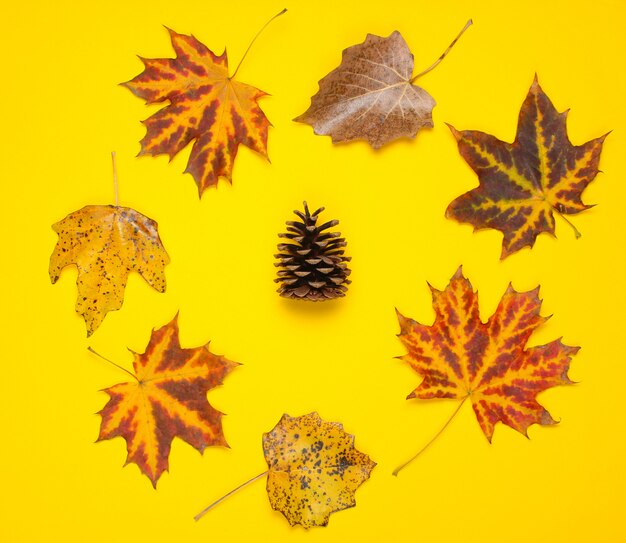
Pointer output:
x,y
313,469
205,106
462,358
107,243
522,184
167,399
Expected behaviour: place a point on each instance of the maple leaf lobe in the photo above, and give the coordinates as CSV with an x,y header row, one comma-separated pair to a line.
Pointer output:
x,y
370,96
107,243
206,107
461,357
314,469
522,184
168,400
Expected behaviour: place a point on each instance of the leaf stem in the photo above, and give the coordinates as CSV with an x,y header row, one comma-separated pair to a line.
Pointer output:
x,y
115,185
254,39
402,466
217,502
445,53
111,362
576,231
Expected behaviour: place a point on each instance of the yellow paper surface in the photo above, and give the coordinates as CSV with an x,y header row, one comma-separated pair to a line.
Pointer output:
x,y
63,113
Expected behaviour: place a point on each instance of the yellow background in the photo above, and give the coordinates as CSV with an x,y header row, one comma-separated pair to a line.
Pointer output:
x,y
62,114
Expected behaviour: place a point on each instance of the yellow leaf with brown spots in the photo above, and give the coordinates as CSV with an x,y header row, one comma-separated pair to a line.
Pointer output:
x,y
107,243
313,469
205,106
522,184
166,400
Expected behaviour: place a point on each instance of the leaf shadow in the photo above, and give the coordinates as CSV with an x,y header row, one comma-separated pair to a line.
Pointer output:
x,y
401,142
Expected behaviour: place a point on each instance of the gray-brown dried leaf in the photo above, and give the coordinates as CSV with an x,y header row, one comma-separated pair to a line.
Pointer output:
x,y
370,95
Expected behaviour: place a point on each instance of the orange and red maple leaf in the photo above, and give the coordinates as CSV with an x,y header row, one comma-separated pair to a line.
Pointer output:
x,y
522,184
206,106
167,400
461,357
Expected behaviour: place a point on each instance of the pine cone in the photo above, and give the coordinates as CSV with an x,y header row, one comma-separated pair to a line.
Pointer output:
x,y
313,266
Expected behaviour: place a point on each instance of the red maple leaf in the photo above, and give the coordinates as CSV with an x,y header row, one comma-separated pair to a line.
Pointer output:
x,y
166,400
463,358
206,106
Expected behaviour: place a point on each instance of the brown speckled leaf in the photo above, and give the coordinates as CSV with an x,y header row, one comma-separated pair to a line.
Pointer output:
x,y
524,183
204,106
107,243
167,400
313,469
370,95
